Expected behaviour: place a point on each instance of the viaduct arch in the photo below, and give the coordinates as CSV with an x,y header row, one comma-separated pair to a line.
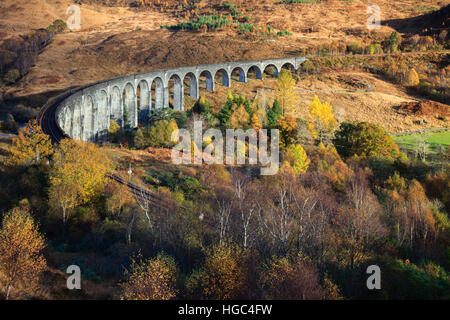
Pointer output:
x,y
85,114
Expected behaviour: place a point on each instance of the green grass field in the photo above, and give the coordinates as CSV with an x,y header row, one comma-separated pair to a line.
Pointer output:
x,y
435,139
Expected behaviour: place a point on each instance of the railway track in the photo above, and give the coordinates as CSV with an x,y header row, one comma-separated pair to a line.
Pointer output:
x,y
47,121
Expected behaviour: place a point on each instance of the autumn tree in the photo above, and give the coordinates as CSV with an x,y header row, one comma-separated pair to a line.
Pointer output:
x,y
21,244
412,214
298,158
321,120
114,130
288,130
30,146
261,106
151,279
119,198
360,223
223,275
412,78
158,135
291,279
79,173
285,92
239,118
121,204
364,139
256,125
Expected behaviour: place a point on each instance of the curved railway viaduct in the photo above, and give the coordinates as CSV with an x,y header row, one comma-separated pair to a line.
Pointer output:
x,y
85,113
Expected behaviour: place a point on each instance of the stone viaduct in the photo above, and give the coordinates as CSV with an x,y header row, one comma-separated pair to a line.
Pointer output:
x,y
86,113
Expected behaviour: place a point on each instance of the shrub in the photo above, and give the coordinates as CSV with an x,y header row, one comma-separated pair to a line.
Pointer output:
x,y
23,113
394,41
245,27
158,135
412,78
354,47
284,33
364,139
296,280
224,274
114,129
10,124
202,106
12,76
308,66
406,280
300,1
58,26
152,279
375,49
210,21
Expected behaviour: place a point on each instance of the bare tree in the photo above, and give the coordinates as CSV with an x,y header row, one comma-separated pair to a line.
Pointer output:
x,y
360,224
144,202
130,226
245,207
422,146
224,208
277,211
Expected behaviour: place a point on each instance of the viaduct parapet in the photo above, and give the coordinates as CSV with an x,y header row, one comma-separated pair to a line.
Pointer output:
x,y
128,100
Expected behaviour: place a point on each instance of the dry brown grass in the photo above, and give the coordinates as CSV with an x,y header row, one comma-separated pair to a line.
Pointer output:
x,y
89,55
109,45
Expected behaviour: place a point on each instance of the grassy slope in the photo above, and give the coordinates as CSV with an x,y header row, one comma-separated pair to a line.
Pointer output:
x,y
434,138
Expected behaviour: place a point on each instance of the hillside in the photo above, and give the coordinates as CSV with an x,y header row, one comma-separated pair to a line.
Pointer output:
x,y
117,40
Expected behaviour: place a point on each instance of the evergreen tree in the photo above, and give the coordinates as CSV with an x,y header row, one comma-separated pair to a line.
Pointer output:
x,y
274,114
226,111
202,106
248,108
224,115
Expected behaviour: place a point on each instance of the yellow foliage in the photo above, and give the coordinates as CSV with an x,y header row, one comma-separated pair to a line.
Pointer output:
x,y
113,127
256,125
223,274
297,279
153,279
288,130
321,119
285,92
30,146
412,78
239,118
21,260
229,95
79,173
298,158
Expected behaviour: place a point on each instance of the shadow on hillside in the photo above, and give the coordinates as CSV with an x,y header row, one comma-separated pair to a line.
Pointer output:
x,y
425,25
25,108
